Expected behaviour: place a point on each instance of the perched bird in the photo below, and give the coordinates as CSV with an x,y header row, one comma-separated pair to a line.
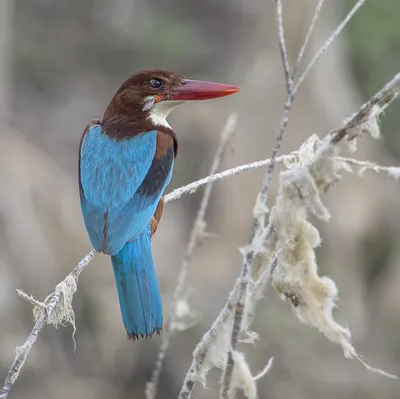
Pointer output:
x,y
125,162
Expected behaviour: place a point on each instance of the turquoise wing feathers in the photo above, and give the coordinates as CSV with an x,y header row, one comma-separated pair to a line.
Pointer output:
x,y
121,183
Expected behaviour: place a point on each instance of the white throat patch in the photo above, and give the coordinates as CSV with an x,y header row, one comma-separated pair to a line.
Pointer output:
x,y
160,111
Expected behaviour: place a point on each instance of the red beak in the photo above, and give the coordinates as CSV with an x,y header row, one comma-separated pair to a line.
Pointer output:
x,y
198,90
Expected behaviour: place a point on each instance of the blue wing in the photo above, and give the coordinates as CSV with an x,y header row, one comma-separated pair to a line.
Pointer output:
x,y
121,183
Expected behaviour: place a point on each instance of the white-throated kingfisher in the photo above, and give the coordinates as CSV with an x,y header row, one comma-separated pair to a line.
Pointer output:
x,y
125,163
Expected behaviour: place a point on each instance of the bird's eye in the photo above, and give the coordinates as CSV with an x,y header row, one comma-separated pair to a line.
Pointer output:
x,y
155,83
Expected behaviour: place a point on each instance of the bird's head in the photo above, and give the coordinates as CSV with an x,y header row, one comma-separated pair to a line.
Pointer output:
x,y
152,94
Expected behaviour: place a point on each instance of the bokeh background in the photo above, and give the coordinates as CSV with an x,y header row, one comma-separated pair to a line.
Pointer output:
x,y
60,63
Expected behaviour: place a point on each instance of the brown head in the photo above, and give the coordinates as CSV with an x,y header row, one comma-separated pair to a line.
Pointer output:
x,y
145,99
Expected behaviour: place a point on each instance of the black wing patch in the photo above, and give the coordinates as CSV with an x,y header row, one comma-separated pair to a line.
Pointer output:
x,y
157,174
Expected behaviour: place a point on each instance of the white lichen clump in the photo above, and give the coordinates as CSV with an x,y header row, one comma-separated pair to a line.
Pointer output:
x,y
63,312
212,352
295,276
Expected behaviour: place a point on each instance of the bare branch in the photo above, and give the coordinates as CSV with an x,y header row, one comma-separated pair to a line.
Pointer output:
x,y
308,37
193,187
284,120
327,43
228,130
265,276
391,171
282,46
30,299
237,170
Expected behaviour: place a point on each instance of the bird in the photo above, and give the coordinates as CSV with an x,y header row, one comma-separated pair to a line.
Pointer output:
x,y
126,160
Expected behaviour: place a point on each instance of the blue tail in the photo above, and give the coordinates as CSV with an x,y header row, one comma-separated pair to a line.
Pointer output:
x,y
138,292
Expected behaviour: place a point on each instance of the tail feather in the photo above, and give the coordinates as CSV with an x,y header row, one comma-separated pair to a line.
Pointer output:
x,y
138,292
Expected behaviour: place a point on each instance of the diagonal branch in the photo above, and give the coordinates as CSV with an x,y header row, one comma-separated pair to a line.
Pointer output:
x,y
282,46
308,37
372,108
51,303
391,171
327,43
193,187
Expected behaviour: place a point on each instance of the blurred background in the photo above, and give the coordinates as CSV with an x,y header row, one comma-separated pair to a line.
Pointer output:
x,y
61,62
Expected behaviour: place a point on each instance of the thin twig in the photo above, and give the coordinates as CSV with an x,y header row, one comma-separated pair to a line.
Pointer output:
x,y
30,299
193,187
282,46
308,37
228,130
265,276
258,218
391,171
287,106
327,43
23,351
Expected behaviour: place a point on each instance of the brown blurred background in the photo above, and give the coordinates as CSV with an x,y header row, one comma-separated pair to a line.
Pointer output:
x,y
60,63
